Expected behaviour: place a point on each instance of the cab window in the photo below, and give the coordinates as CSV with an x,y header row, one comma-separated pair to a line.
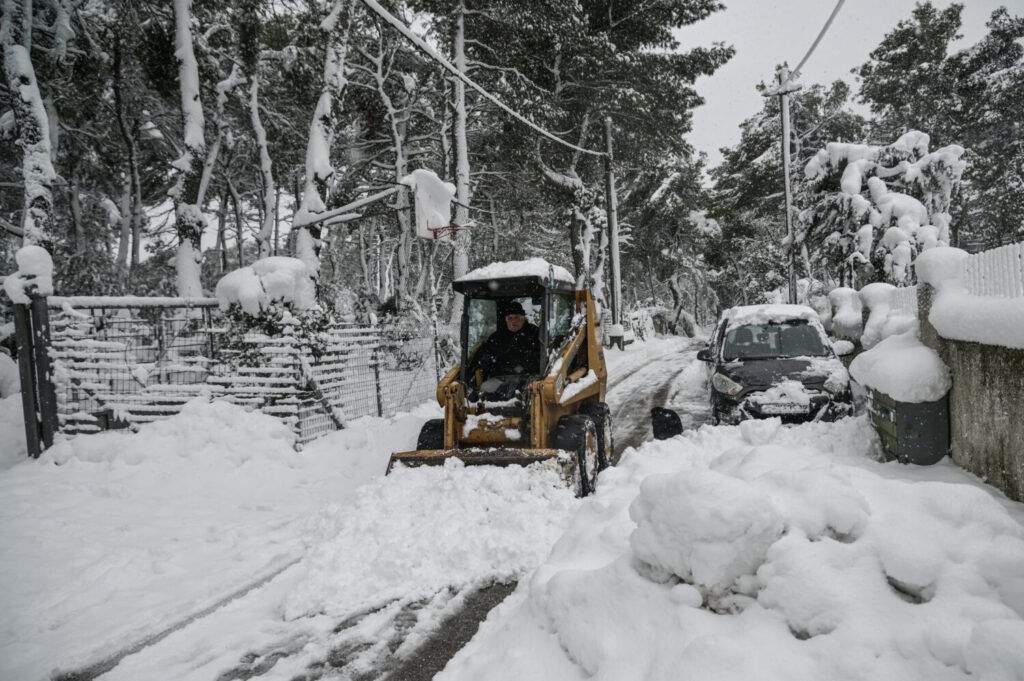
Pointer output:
x,y
560,309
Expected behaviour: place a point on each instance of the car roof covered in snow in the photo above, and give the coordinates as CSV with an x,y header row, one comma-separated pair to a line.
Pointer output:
x,y
762,314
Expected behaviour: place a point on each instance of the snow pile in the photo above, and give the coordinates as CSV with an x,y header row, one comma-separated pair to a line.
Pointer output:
x,y
847,319
428,528
140,531
879,571
960,314
277,279
433,198
35,269
12,425
901,367
684,531
10,379
533,267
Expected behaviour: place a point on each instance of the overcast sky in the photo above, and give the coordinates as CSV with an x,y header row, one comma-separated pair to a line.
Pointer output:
x,y
768,32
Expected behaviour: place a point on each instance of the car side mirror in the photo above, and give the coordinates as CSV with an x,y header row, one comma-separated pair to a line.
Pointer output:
x,y
705,355
665,423
841,347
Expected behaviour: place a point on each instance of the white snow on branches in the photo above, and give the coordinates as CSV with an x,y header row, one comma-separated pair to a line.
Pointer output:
x,y
266,281
894,226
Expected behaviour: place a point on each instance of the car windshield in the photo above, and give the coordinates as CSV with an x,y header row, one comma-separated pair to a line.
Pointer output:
x,y
795,338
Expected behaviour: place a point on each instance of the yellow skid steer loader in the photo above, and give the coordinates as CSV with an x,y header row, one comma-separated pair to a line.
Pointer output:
x,y
553,411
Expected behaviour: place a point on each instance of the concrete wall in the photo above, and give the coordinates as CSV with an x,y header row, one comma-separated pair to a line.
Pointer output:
x,y
986,404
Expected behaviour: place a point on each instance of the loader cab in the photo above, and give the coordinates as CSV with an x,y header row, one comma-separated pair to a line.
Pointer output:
x,y
548,305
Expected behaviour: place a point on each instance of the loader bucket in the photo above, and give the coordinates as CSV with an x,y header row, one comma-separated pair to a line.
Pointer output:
x,y
495,456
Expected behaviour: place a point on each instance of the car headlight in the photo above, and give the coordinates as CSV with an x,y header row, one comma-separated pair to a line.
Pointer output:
x,y
837,385
724,384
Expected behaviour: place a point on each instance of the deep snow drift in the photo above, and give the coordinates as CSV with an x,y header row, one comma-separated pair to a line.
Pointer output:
x,y
762,552
130,533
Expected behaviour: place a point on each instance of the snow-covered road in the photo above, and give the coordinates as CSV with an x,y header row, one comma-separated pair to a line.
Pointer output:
x,y
669,377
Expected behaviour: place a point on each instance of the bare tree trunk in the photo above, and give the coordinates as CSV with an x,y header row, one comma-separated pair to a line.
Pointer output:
x,y
321,137
236,202
76,213
266,170
32,123
462,241
189,220
222,230
124,241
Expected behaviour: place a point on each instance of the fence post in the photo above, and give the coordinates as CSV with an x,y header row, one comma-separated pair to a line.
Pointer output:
x,y
375,363
40,316
23,339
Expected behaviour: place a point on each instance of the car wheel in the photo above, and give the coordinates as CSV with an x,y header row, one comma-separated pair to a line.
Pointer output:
x,y
431,435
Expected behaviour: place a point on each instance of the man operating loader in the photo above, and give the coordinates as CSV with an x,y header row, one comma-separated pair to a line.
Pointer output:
x,y
512,350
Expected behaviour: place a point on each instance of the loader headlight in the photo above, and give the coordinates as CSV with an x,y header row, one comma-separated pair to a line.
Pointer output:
x,y
724,384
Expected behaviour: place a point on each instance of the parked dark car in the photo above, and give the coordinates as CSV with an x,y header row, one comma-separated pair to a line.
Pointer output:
x,y
776,360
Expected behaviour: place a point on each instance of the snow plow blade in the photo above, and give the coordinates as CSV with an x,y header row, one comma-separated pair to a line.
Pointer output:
x,y
474,457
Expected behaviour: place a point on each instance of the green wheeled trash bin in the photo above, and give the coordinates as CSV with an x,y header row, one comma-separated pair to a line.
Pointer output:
x,y
911,432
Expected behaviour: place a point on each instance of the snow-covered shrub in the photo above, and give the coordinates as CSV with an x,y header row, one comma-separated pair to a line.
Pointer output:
x,y
847,319
702,527
272,297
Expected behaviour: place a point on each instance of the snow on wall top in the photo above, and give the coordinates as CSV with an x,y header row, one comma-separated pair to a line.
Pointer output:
x,y
274,279
958,312
762,314
534,267
35,268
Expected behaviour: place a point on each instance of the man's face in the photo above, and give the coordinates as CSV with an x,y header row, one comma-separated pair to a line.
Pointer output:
x,y
515,321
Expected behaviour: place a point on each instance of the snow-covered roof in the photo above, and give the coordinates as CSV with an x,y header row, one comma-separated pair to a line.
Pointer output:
x,y
534,267
761,314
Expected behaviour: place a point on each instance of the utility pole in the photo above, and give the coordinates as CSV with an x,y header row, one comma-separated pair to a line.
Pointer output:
x,y
785,86
611,205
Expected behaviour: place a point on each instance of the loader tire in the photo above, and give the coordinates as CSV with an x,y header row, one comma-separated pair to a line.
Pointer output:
x,y
602,417
577,434
431,435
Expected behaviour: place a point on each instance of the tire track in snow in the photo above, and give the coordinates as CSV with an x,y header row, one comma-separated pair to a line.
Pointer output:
x,y
658,383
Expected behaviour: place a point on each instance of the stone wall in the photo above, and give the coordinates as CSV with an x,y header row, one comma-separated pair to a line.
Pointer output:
x,y
986,404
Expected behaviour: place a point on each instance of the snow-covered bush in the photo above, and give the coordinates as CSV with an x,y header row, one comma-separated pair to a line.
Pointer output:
x,y
273,296
847,319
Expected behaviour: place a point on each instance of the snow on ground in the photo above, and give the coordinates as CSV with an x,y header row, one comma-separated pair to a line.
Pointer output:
x,y
763,552
110,538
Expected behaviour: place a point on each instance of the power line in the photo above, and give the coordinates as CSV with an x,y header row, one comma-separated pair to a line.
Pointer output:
x,y
824,29
416,40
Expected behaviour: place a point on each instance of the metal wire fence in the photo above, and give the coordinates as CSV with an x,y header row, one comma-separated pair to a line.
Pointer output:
x,y
121,362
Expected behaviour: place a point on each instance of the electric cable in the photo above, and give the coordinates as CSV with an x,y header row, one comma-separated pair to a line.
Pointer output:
x,y
420,43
